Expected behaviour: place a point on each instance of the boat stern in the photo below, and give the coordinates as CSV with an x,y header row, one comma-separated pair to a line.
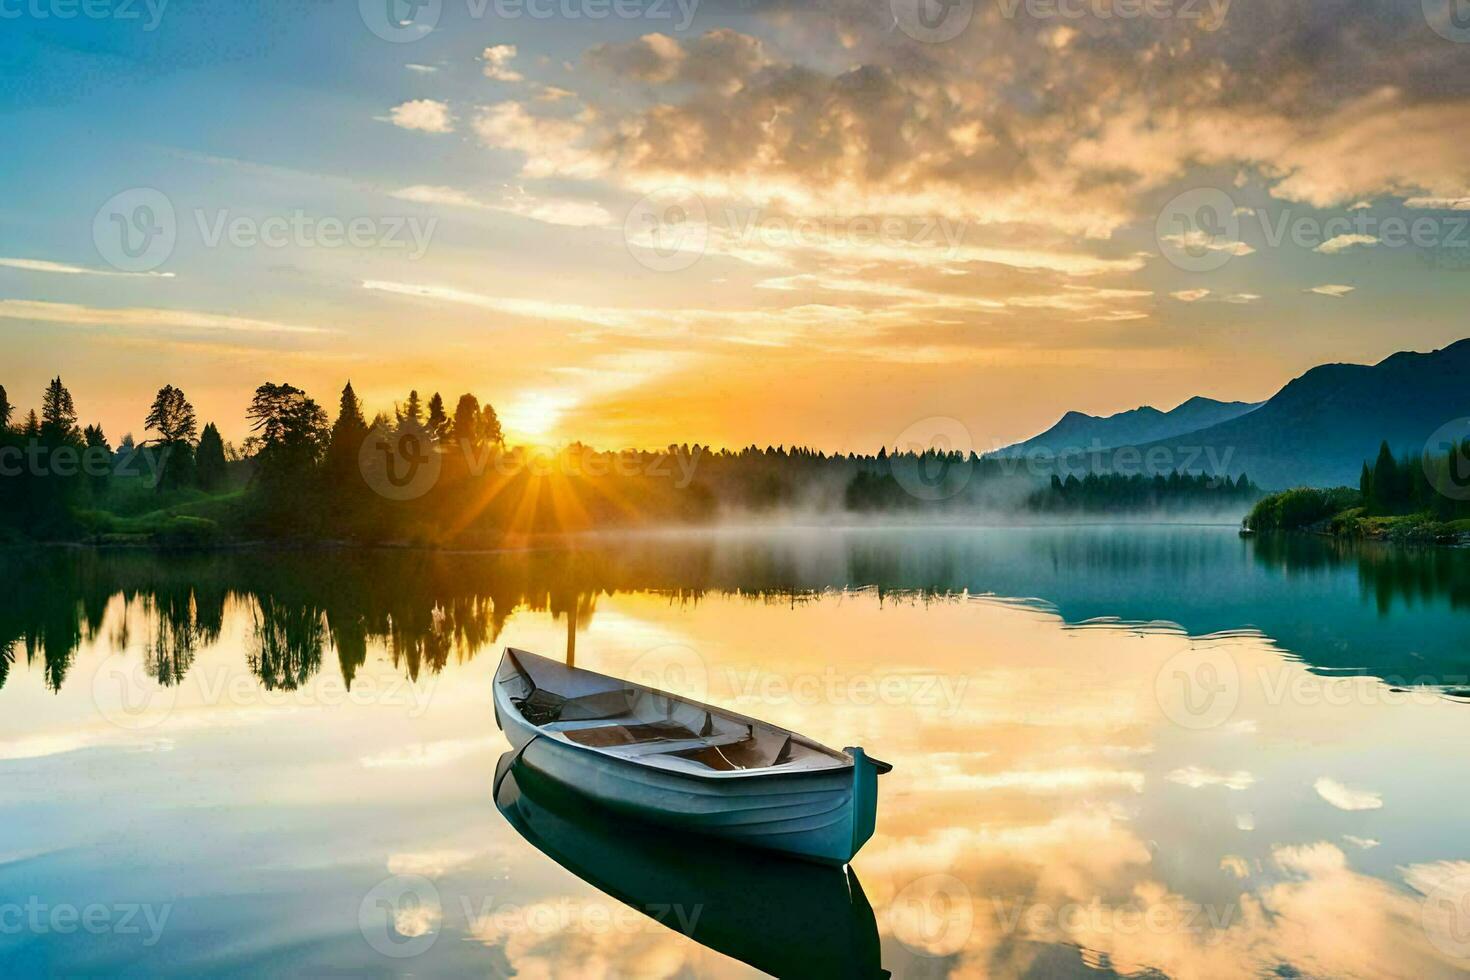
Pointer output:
x,y
865,773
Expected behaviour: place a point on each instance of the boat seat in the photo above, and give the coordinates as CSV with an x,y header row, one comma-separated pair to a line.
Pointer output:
x,y
543,707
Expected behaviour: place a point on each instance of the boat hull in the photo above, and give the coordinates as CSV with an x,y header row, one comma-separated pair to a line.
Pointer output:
x,y
808,815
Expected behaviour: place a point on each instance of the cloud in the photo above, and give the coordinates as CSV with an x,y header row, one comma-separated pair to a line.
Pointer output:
x,y
722,60
1331,289
1366,843
1339,243
1190,295
552,145
1241,298
1196,777
1236,865
141,317
430,755
425,115
1439,203
552,211
422,69
61,268
1196,239
497,63
1347,798
429,864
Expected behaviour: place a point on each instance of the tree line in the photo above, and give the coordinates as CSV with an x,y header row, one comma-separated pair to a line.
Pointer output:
x,y
423,474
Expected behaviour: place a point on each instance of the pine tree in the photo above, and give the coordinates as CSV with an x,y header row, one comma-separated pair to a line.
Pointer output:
x,y
209,460
413,411
1385,480
490,432
6,409
172,417
467,420
345,444
438,422
58,413
1365,483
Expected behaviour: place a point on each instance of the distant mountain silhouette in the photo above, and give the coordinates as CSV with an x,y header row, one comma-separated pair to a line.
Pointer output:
x,y
1146,424
1318,430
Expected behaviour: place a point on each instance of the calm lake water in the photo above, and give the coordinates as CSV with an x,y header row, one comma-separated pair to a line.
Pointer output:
x,y
1140,751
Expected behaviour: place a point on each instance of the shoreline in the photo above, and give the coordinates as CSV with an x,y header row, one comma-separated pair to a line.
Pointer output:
x,y
548,541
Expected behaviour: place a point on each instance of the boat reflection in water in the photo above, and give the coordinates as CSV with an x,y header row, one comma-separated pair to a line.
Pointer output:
x,y
785,917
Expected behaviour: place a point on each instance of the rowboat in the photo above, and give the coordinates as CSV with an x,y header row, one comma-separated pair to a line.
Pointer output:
x,y
677,763
785,917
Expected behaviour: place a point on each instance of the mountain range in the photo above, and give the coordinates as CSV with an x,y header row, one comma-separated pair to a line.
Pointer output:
x,y
1130,428
1316,431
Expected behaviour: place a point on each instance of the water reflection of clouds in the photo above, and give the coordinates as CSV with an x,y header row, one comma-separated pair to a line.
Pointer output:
x,y
1058,785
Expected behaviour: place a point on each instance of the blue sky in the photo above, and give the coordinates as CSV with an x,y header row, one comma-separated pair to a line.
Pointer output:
x,y
1052,150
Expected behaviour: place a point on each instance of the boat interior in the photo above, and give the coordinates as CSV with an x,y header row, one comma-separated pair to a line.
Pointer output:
x,y
651,727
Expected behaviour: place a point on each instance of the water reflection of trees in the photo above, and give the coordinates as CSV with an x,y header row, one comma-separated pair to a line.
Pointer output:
x,y
1387,573
427,608
423,608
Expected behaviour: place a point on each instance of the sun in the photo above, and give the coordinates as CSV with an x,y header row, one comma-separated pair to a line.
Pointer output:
x,y
533,415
